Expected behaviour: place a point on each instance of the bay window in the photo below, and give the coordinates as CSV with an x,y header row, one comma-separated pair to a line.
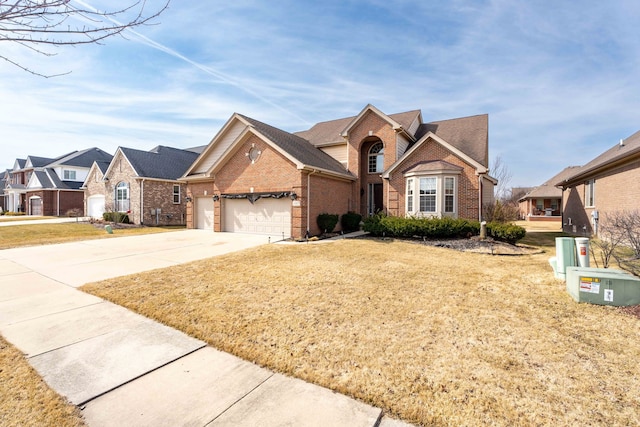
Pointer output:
x,y
437,196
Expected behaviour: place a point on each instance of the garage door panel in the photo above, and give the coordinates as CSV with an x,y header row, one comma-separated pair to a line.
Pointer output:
x,y
204,213
264,216
95,206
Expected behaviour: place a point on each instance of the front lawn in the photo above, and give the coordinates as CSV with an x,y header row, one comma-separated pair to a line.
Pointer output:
x,y
431,335
25,399
41,234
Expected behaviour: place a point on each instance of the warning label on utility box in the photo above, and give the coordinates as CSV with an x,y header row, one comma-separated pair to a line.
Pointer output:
x,y
590,285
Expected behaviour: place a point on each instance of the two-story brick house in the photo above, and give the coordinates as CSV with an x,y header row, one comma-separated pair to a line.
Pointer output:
x,y
50,186
253,177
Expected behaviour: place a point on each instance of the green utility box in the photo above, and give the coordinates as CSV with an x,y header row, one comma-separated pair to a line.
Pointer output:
x,y
603,286
565,256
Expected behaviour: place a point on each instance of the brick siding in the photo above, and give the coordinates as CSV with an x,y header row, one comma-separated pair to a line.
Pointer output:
x,y
467,181
617,189
69,199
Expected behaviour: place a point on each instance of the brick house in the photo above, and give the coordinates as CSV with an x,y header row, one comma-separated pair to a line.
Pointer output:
x,y
544,202
255,178
45,186
143,184
607,184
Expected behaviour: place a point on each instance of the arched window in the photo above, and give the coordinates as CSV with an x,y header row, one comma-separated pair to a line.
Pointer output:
x,y
122,197
376,158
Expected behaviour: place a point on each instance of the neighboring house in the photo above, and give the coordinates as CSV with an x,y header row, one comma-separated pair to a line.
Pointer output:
x,y
544,203
143,184
14,187
607,184
4,179
94,187
54,188
255,178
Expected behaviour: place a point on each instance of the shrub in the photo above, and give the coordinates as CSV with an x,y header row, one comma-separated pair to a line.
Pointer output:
x,y
509,233
15,213
372,224
119,217
379,225
350,221
327,222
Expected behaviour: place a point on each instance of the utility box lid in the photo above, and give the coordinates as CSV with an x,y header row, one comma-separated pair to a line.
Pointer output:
x,y
603,286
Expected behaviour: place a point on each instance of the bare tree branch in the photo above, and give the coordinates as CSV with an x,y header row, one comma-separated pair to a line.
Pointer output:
x,y
42,25
501,172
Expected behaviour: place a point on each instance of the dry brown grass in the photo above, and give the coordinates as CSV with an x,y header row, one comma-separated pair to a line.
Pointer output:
x,y
25,399
41,234
431,335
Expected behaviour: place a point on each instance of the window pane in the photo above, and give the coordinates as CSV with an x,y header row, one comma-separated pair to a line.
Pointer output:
x,y
176,194
410,195
427,194
449,193
376,158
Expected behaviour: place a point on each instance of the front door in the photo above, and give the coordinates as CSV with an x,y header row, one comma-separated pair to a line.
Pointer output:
x,y
375,198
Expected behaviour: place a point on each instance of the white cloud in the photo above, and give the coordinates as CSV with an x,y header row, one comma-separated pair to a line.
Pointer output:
x,y
559,80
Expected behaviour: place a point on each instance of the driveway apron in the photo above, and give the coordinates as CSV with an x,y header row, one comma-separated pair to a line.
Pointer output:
x,y
124,369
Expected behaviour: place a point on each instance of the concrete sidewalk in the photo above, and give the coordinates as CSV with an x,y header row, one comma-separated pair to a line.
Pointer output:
x,y
124,369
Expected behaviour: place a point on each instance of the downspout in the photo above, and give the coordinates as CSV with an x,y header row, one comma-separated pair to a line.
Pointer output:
x,y
142,202
388,194
562,209
58,203
480,197
309,200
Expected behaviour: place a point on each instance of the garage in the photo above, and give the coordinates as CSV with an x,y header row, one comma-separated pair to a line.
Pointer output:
x,y
35,206
270,216
95,206
204,213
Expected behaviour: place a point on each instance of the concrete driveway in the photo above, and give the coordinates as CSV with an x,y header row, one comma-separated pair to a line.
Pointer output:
x,y
124,369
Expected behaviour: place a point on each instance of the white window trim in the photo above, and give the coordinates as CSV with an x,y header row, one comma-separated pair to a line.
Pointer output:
x,y
414,180
174,194
127,199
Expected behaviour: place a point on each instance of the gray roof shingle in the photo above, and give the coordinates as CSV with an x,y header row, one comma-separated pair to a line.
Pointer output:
x,y
468,134
298,147
160,162
84,158
548,189
618,152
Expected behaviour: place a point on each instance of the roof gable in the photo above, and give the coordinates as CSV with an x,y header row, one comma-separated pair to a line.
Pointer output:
x,y
332,132
293,147
370,108
19,164
469,135
297,148
37,162
480,168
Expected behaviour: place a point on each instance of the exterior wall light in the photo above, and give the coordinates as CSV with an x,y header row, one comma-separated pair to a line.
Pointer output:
x,y
293,196
216,197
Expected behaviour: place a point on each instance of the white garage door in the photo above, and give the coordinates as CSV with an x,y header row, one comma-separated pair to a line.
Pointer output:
x,y
204,213
265,216
95,206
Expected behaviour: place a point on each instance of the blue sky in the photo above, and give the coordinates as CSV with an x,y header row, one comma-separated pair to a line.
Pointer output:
x,y
559,79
